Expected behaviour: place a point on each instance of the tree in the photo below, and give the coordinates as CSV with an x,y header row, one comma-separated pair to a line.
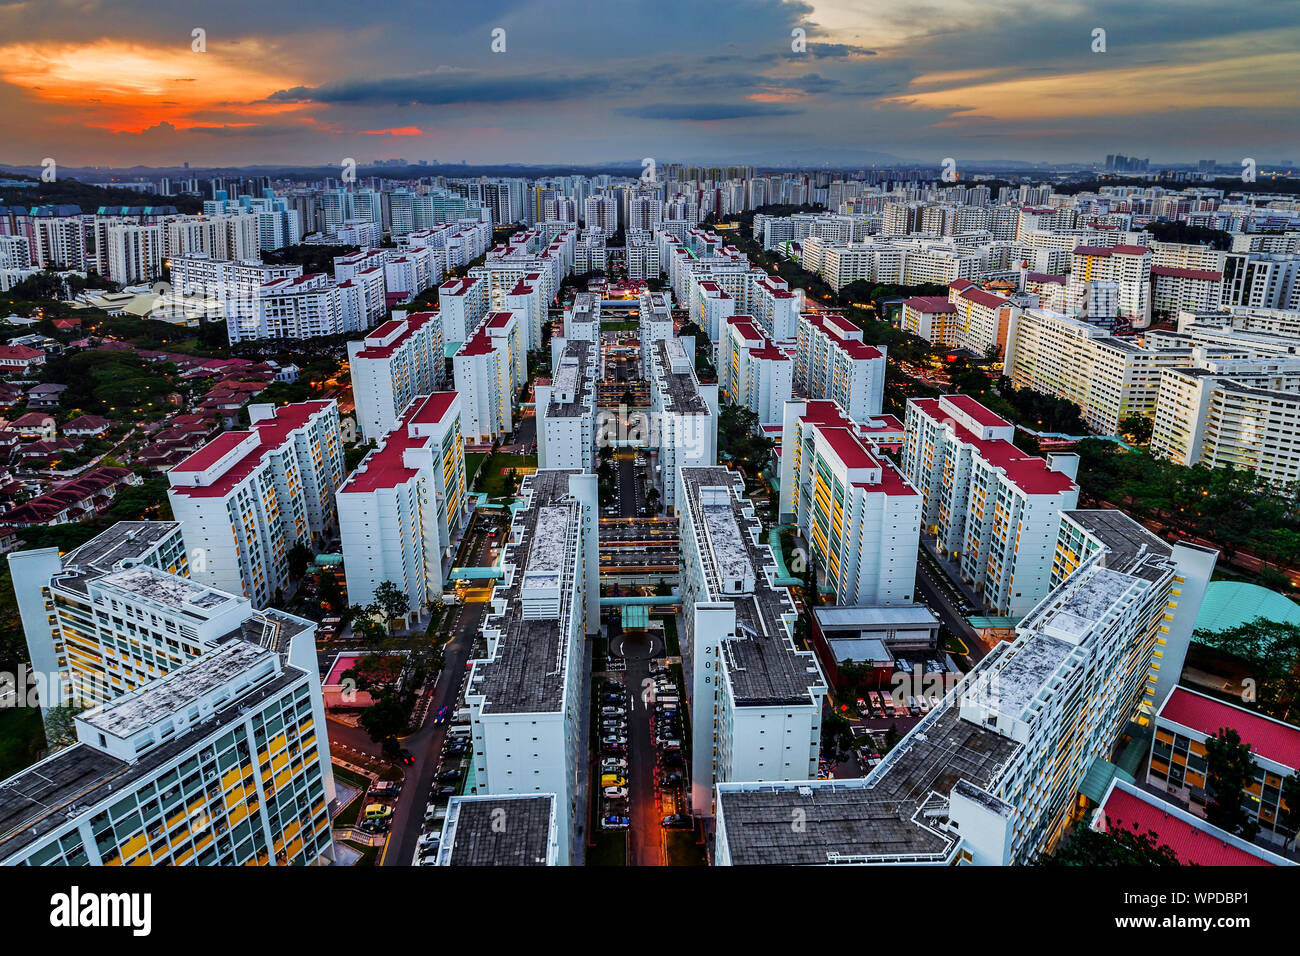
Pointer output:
x,y
1270,648
300,558
392,601
366,623
1115,846
1229,770
1137,429
1288,817
837,737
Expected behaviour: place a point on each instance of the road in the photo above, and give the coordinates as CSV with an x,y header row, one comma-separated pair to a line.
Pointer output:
x,y
629,494
645,842
936,597
426,743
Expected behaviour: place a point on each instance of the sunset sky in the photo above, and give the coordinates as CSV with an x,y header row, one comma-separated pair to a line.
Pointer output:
x,y
118,83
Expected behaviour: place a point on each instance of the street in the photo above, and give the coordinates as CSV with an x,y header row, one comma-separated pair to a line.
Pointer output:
x,y
645,842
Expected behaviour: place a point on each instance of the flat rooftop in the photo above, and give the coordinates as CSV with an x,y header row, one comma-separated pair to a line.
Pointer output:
x,y
498,831
138,710
125,541
574,375
895,813
527,673
681,390
169,590
761,662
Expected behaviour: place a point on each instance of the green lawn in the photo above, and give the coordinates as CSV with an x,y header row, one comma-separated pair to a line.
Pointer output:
x,y
492,480
22,736
369,854
472,460
683,849
610,849
674,647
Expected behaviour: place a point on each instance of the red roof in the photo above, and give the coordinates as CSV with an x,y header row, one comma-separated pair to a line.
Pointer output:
x,y
1027,472
271,434
983,298
1269,738
835,326
1192,843
1044,277
929,303
1178,273
19,352
976,411
413,322
846,445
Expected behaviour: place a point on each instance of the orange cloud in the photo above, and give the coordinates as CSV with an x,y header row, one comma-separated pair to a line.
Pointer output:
x,y
397,131
126,87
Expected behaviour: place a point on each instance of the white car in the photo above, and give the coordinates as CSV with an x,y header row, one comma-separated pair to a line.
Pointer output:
x,y
613,711
613,765
613,740
616,793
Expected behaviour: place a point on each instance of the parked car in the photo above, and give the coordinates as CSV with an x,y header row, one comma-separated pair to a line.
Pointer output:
x,y
677,821
613,780
613,765
449,776
613,740
615,823
616,793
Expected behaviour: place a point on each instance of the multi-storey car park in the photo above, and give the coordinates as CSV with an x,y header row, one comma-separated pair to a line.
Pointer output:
x,y
989,777
527,692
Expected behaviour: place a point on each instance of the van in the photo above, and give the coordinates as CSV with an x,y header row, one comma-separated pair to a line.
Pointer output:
x,y
434,813
459,730
377,811
613,780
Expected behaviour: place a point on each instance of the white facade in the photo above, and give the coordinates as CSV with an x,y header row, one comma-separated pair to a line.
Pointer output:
x,y
394,363
566,409
832,362
860,515
989,505
752,372
397,511
755,699
246,497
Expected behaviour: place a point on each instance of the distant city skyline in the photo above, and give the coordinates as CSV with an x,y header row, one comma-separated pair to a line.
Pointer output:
x,y
593,83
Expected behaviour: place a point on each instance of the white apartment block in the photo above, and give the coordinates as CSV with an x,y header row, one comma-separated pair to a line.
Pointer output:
x,y
752,372
80,653
363,299
1176,289
654,321
981,319
684,414
582,319
398,510
489,370
776,307
528,300
463,303
394,363
246,497
755,699
859,514
233,286
711,307
931,317
59,242
988,505
1124,267
641,254
566,408
832,362
1277,322
301,307
219,236
991,776
220,760
133,252
1107,377
1239,413
528,696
